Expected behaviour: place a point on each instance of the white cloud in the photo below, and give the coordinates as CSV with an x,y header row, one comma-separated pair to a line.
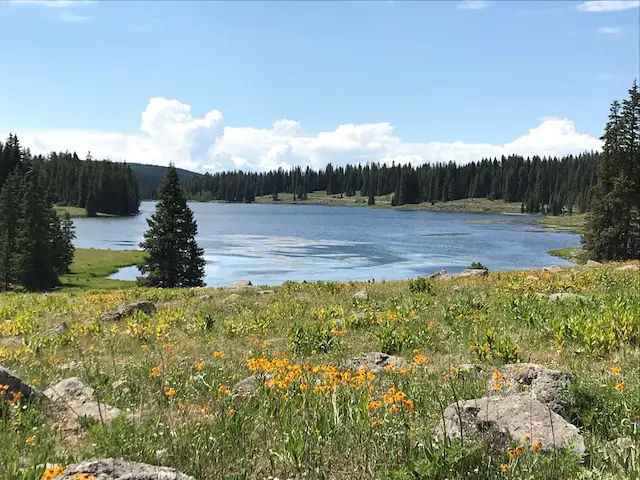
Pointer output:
x,y
607,5
72,18
52,3
611,31
473,4
170,133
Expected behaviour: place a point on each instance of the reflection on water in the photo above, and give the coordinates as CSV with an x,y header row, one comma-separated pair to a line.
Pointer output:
x,y
270,244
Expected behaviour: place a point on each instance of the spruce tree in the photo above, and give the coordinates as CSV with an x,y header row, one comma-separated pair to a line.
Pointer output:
x,y
174,258
63,233
35,266
9,214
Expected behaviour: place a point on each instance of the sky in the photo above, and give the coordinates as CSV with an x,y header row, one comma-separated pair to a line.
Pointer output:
x,y
214,86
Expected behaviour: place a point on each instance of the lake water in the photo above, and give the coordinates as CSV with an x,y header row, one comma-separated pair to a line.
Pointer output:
x,y
269,244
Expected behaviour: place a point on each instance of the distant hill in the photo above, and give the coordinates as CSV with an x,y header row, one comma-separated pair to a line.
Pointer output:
x,y
150,177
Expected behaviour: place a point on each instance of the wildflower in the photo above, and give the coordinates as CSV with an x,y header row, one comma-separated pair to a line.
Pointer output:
x,y
199,366
219,355
35,381
375,423
30,439
205,410
537,447
408,403
496,386
254,340
265,344
373,405
223,389
504,468
304,387
615,370
144,346
52,472
169,391
168,346
512,453
420,359
235,377
519,450
230,412
620,387
394,408
156,371
527,439
497,375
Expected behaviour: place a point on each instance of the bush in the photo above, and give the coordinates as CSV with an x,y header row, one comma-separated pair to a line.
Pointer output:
x,y
420,285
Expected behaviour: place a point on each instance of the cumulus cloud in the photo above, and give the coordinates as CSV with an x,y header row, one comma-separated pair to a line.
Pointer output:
x,y
170,133
473,4
596,6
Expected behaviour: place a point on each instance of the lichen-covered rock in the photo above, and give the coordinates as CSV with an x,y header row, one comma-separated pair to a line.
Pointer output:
x,y
118,469
72,399
474,272
250,384
374,362
128,309
593,264
440,273
500,421
539,382
15,385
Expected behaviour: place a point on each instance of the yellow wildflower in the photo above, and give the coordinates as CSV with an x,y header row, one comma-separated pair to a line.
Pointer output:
x,y
615,370
620,387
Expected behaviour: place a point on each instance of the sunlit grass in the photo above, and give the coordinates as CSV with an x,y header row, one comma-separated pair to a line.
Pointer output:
x,y
91,266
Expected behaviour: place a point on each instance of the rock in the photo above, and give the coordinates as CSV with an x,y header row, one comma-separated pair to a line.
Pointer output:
x,y
541,383
440,273
73,400
456,288
361,295
500,421
129,309
554,297
16,385
59,329
552,269
474,272
11,341
374,362
531,277
118,469
266,292
593,264
241,283
251,384
628,268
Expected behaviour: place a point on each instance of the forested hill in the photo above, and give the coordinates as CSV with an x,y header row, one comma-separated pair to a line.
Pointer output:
x,y
100,186
150,177
550,185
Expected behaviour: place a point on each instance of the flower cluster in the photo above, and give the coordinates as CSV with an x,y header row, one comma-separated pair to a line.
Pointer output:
x,y
52,472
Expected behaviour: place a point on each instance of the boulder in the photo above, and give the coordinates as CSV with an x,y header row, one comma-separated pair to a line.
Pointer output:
x,y
440,273
628,268
474,272
72,400
374,362
593,264
16,386
361,295
129,309
541,383
12,341
118,469
250,384
500,421
241,284
59,329
552,269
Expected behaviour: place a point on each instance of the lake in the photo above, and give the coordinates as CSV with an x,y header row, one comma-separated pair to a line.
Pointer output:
x,y
270,244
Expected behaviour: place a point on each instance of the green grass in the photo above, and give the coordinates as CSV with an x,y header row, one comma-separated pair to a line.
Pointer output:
x,y
76,212
176,368
91,266
571,223
474,205
576,255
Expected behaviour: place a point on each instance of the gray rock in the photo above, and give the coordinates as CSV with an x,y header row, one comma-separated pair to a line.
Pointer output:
x,y
16,385
59,329
77,400
541,383
118,469
361,295
129,309
593,264
12,341
440,273
474,272
456,288
552,269
554,297
500,421
628,268
374,362
250,384
241,283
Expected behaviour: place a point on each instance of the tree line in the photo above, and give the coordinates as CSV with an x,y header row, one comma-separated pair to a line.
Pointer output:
x,y
35,245
542,185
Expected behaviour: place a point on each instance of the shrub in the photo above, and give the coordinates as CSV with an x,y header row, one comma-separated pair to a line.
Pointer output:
x,y
478,266
420,285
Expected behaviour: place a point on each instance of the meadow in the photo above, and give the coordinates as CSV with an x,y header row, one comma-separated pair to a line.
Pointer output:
x,y
172,374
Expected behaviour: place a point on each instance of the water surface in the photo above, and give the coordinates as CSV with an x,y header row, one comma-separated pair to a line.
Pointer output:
x,y
270,244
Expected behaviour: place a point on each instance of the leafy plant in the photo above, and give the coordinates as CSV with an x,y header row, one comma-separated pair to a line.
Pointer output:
x,y
478,266
420,285
317,338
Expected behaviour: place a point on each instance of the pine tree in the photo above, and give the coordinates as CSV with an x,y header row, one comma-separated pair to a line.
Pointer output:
x,y
63,250
91,206
174,258
35,267
9,214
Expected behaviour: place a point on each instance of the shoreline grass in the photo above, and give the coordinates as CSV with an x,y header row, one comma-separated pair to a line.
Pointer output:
x,y
571,223
91,267
76,212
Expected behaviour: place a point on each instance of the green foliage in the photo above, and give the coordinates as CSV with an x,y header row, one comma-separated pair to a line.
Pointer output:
x,y
477,266
392,339
174,258
420,285
493,346
316,338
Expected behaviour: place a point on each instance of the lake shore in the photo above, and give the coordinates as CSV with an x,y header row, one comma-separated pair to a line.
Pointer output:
x,y
91,268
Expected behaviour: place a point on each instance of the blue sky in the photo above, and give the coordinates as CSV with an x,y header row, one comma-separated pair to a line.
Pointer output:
x,y
407,81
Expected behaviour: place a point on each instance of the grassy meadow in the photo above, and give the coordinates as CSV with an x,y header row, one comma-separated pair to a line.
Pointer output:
x,y
91,267
172,374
